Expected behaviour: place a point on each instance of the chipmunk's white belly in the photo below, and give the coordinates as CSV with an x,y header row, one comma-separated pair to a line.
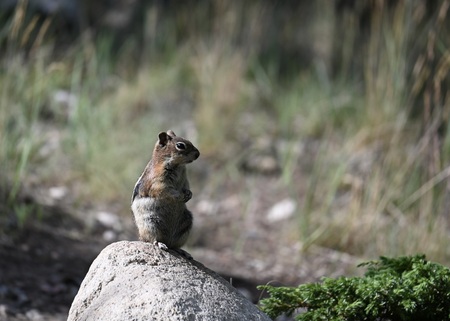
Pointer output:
x,y
152,206
157,219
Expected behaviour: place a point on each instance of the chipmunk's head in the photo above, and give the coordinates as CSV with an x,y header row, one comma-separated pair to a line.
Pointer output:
x,y
174,150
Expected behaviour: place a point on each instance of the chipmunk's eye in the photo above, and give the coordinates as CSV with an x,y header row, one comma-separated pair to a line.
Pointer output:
x,y
181,146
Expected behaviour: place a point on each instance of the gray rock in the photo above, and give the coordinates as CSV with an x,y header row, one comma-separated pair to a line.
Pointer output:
x,y
138,281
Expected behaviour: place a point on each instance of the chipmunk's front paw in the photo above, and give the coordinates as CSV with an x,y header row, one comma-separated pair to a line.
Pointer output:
x,y
187,195
161,245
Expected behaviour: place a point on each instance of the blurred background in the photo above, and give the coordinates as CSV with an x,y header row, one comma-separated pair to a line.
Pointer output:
x,y
322,127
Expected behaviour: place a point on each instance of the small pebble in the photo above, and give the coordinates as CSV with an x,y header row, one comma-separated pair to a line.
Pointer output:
x,y
281,210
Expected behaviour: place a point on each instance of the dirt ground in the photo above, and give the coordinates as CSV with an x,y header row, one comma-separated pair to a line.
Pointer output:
x,y
43,263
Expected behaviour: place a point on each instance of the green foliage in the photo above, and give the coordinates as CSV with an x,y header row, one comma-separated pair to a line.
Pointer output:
x,y
404,288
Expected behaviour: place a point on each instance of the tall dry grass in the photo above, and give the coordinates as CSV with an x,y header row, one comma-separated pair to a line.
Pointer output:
x,y
377,181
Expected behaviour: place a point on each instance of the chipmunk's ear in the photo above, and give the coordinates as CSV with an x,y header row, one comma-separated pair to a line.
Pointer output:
x,y
171,133
163,138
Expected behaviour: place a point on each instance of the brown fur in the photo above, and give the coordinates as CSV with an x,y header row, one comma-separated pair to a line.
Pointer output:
x,y
160,194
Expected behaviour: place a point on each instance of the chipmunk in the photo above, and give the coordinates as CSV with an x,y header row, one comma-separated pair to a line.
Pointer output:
x,y
160,194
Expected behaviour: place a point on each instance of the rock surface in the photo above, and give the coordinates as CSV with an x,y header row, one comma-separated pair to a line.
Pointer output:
x,y
138,281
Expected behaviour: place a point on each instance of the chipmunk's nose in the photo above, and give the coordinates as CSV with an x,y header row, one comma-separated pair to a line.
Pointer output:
x,y
197,154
